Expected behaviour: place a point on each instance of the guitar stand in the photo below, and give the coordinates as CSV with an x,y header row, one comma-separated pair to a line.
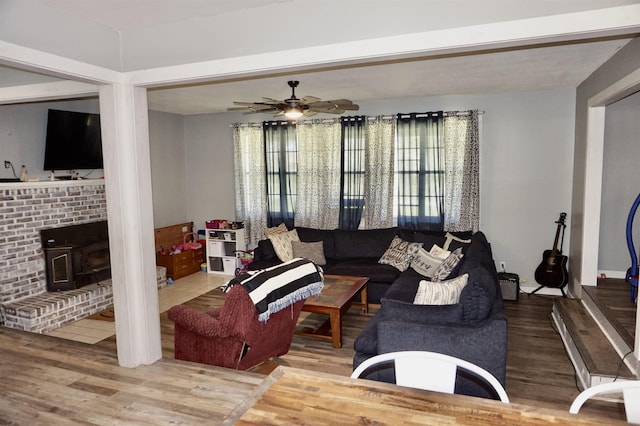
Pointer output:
x,y
543,286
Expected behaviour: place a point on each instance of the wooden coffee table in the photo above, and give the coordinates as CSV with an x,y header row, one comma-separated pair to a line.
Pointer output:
x,y
337,296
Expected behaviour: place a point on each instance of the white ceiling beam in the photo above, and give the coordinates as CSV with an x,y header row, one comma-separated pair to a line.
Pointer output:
x,y
33,60
46,92
617,21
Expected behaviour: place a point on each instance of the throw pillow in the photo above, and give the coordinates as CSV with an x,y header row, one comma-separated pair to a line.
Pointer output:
x,y
280,229
425,263
440,293
448,265
282,244
449,237
313,251
400,253
439,252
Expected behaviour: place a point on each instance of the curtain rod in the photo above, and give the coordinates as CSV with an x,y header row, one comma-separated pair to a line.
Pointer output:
x,y
330,120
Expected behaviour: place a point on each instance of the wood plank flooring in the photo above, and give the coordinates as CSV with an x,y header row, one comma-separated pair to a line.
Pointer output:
x,y
613,298
46,380
51,381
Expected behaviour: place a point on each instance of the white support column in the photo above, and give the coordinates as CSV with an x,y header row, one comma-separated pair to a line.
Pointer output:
x,y
127,169
592,196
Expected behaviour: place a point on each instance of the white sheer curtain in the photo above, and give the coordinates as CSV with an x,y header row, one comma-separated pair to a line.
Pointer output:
x,y
378,177
251,190
318,179
462,186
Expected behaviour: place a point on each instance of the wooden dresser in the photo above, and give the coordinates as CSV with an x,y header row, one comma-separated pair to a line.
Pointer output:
x,y
181,264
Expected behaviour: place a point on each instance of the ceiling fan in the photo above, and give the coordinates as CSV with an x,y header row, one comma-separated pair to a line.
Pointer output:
x,y
294,107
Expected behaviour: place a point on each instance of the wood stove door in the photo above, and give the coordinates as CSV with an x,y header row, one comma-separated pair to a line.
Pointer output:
x,y
59,269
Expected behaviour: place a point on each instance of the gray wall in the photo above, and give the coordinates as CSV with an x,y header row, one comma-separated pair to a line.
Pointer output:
x,y
526,166
526,163
22,135
22,141
620,65
619,184
168,164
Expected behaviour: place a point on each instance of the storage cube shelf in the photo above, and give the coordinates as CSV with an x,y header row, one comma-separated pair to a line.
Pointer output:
x,y
224,248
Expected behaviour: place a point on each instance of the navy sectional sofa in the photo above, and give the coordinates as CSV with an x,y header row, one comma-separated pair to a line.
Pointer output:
x,y
354,253
475,329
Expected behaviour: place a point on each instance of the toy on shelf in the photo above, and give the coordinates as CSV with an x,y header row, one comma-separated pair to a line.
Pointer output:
x,y
246,257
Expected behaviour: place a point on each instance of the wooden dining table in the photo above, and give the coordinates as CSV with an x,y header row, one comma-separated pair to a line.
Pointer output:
x,y
292,396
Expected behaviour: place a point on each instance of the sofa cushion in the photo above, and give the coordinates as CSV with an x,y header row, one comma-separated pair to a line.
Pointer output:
x,y
365,268
311,235
312,251
282,244
400,253
367,340
265,251
444,270
427,238
280,229
397,310
440,293
405,286
478,296
351,244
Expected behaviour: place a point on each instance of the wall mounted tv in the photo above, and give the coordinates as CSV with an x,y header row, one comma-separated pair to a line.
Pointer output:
x,y
73,141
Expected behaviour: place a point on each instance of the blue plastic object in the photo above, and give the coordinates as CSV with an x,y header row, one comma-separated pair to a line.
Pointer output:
x,y
632,272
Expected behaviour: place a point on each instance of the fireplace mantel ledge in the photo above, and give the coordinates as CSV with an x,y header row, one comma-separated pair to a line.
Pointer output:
x,y
50,183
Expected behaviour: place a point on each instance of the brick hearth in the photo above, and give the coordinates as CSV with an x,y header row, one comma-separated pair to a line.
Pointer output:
x,y
27,208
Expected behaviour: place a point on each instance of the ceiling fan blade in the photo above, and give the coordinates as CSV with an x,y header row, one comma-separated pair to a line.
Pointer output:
x,y
340,101
352,107
309,112
310,99
261,111
271,101
345,104
256,105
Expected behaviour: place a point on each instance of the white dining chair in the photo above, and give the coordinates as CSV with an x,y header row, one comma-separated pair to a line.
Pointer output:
x,y
630,390
429,371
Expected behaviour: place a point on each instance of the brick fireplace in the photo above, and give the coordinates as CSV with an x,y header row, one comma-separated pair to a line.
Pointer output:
x,y
25,210
76,255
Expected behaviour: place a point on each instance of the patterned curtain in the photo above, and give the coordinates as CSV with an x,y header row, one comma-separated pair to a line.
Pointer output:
x,y
318,199
462,187
378,178
420,171
251,190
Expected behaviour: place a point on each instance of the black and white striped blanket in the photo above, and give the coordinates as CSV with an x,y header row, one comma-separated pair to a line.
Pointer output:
x,y
273,289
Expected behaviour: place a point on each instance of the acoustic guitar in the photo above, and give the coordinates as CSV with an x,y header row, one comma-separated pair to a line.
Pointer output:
x,y
552,272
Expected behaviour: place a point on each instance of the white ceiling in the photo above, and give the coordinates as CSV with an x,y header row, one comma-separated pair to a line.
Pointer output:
x,y
524,69
542,68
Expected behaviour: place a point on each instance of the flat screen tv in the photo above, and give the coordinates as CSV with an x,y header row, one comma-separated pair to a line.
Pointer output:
x,y
73,141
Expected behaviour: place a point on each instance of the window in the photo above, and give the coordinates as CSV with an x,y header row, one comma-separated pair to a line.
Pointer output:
x,y
352,193
421,168
420,171
281,167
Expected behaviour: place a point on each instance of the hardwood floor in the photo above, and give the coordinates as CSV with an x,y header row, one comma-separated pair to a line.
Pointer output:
x,y
46,380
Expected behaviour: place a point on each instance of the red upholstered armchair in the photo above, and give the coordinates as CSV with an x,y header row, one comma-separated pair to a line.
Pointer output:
x,y
231,336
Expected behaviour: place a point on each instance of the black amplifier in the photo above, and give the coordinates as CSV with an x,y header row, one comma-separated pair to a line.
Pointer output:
x,y
509,285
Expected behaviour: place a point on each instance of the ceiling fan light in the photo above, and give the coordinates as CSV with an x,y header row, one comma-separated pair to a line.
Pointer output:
x,y
293,112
